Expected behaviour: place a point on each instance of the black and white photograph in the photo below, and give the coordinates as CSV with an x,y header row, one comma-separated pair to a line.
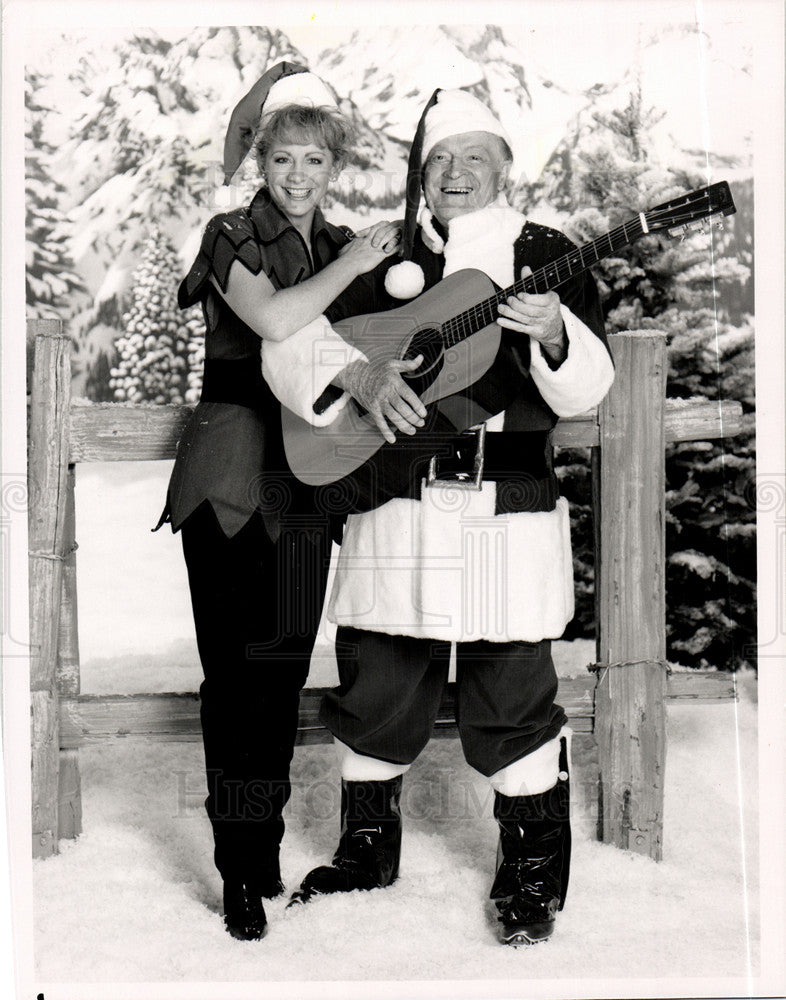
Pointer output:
x,y
393,499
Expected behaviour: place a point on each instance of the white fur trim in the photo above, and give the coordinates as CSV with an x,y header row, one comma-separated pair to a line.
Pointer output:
x,y
530,775
305,89
448,568
535,773
430,236
358,767
583,378
300,368
484,240
405,280
457,112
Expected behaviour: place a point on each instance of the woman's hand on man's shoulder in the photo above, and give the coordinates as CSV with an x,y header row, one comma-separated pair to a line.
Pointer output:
x,y
372,245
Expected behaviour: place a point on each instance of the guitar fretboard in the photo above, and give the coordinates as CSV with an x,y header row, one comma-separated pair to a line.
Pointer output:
x,y
546,278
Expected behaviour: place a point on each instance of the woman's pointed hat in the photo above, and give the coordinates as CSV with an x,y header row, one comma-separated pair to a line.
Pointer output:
x,y
282,84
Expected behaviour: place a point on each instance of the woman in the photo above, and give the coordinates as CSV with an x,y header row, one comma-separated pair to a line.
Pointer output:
x,y
256,547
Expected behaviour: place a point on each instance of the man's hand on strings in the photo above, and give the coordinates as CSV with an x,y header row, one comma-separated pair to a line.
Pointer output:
x,y
539,316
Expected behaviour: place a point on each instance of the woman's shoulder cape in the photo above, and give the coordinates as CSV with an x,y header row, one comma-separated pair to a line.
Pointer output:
x,y
228,237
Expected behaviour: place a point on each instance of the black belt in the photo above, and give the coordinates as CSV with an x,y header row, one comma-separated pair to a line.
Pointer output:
x,y
477,455
236,380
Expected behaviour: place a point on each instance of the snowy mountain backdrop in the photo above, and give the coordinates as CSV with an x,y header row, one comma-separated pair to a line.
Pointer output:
x,y
128,132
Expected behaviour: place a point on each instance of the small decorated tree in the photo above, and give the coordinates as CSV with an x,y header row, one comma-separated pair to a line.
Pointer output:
x,y
160,345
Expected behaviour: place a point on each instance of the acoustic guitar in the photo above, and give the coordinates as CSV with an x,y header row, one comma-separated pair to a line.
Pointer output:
x,y
453,325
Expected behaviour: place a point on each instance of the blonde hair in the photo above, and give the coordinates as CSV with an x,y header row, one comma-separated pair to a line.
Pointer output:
x,y
326,127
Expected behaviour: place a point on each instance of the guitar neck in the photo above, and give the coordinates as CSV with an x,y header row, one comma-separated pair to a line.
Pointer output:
x,y
543,280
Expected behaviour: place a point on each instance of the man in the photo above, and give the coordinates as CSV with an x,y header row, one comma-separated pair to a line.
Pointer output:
x,y
488,569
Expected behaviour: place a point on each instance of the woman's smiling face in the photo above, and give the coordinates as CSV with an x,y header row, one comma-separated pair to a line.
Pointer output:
x,y
298,175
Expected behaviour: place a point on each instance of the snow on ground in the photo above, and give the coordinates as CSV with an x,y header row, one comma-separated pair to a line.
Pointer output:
x,y
136,897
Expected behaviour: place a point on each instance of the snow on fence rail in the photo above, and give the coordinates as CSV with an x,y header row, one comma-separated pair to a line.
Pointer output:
x,y
617,712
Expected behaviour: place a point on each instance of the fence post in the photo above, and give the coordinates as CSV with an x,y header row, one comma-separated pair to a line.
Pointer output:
x,y
50,400
630,594
68,685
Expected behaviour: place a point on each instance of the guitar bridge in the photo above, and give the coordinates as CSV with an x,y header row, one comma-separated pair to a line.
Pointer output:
x,y
464,469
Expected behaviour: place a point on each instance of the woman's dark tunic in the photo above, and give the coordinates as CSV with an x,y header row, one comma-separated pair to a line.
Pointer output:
x,y
231,453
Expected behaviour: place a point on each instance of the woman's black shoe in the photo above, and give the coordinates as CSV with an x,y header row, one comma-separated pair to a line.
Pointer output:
x,y
244,914
250,853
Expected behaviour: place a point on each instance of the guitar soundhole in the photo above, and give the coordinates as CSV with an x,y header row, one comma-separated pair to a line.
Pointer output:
x,y
427,342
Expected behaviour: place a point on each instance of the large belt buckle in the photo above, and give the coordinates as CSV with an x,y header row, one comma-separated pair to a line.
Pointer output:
x,y
470,477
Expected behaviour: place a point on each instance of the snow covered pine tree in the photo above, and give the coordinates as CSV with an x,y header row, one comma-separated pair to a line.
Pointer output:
x,y
159,355
49,275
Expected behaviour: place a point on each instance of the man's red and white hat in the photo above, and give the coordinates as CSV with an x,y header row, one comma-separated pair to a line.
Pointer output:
x,y
447,113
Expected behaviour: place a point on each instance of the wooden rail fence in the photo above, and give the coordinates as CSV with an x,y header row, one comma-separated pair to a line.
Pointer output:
x,y
617,713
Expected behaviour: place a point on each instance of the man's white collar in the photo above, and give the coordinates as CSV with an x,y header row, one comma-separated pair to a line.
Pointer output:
x,y
484,240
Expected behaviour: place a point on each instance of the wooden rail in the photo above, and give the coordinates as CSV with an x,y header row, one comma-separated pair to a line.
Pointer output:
x,y
92,720
622,709
123,432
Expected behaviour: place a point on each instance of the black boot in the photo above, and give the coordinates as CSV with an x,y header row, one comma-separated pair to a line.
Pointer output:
x,y
369,850
250,879
251,856
244,914
533,860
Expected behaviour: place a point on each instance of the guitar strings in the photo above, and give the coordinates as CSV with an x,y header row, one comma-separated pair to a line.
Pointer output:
x,y
484,313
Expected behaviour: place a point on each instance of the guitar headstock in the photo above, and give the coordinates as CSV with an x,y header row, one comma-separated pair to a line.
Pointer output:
x,y
700,226
693,211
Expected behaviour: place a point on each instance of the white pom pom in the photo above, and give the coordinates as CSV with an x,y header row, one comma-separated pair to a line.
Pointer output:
x,y
222,197
405,280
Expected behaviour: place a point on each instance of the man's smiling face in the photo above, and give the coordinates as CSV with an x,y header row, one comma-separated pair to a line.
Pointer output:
x,y
464,173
